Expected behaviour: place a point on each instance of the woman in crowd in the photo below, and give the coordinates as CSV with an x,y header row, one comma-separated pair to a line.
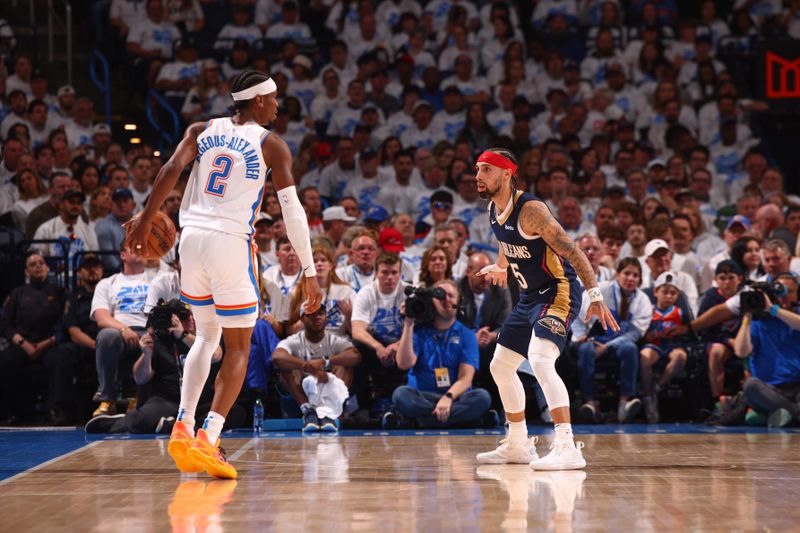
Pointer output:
x,y
99,204
337,295
32,193
435,266
747,254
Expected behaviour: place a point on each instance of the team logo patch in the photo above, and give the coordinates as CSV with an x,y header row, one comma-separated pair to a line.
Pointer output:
x,y
555,326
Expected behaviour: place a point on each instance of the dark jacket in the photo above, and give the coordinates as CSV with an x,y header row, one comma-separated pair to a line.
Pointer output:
x,y
495,310
33,310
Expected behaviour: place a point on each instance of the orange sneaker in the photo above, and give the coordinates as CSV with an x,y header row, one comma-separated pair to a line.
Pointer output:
x,y
210,457
179,442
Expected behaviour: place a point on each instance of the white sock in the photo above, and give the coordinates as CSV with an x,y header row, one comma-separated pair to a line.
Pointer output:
x,y
517,432
213,426
196,368
186,415
564,432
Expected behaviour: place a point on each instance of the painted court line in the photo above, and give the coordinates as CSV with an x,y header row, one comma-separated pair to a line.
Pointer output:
x,y
49,462
247,445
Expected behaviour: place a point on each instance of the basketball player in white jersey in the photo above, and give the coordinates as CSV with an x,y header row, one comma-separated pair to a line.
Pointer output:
x,y
231,157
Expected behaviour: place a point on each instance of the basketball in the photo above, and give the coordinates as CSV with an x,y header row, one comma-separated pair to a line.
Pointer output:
x,y
161,238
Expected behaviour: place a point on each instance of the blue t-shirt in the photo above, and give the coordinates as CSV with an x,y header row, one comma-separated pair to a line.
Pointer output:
x,y
435,349
776,351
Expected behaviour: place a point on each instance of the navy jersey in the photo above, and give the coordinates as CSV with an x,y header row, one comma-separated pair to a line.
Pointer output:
x,y
535,265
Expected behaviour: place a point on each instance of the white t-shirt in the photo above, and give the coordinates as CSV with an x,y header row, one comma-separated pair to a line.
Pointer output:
x,y
288,31
381,312
354,277
279,287
178,70
140,197
150,36
447,125
166,286
331,297
365,190
299,346
343,121
124,296
77,135
231,32
322,107
55,228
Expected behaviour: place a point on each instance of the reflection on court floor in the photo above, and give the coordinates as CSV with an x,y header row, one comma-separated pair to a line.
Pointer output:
x,y
416,483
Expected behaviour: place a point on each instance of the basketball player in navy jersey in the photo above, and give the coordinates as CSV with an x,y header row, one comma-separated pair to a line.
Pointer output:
x,y
544,260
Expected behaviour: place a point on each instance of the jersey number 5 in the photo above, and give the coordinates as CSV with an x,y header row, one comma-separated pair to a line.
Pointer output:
x,y
517,274
221,171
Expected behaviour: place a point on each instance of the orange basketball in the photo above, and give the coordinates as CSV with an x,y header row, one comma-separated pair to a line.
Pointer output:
x,y
161,238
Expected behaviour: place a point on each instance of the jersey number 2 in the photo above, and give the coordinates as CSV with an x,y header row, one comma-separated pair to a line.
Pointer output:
x,y
517,274
221,171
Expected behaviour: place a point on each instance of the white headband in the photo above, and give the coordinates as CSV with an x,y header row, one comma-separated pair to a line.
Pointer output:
x,y
265,87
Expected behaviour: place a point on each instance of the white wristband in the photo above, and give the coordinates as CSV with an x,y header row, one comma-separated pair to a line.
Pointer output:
x,y
595,295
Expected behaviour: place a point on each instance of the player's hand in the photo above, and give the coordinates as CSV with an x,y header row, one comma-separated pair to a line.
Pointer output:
x,y
313,295
136,232
601,311
496,274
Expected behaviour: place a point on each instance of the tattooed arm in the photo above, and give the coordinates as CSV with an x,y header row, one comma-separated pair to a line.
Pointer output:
x,y
536,219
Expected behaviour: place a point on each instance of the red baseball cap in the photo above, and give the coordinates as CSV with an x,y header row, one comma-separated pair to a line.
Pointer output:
x,y
391,240
324,150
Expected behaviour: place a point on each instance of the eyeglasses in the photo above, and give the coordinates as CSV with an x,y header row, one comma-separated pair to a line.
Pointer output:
x,y
442,205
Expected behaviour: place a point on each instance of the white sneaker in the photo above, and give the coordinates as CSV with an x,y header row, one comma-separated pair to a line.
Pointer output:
x,y
507,453
564,455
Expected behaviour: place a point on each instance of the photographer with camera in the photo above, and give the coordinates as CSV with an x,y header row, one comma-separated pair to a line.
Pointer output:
x,y
158,373
770,335
441,356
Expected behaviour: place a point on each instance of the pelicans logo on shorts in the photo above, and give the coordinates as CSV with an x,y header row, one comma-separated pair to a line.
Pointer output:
x,y
554,325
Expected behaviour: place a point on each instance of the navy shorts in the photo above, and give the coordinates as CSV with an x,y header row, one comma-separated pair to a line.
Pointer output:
x,y
549,315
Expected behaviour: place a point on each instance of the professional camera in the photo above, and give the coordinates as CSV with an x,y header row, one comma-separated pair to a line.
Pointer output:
x,y
753,301
419,303
160,317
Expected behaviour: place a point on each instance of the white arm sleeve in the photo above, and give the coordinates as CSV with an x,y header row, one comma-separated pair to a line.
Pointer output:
x,y
294,217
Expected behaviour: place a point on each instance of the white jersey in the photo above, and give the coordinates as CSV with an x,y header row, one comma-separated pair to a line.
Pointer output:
x,y
227,182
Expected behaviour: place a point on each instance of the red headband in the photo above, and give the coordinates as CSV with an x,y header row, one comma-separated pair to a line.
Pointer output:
x,y
493,158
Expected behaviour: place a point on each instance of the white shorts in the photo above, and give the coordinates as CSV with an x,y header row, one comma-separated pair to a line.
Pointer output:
x,y
218,277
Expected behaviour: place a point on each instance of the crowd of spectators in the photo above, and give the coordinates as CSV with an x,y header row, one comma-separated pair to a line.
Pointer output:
x,y
628,121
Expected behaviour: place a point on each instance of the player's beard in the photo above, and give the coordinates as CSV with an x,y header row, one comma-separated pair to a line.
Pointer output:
x,y
487,193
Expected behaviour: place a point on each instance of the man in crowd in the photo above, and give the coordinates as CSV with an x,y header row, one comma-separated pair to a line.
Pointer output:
x,y
771,338
118,309
377,324
316,368
29,320
441,359
109,230
484,308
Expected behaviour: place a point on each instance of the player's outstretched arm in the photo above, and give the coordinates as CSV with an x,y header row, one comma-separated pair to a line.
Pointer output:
x,y
139,226
536,219
278,157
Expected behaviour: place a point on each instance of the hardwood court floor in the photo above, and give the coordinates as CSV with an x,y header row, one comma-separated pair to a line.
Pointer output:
x,y
417,483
